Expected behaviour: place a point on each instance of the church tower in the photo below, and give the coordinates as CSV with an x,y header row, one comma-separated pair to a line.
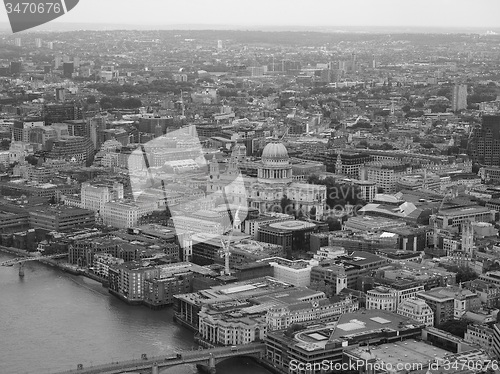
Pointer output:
x,y
214,167
214,175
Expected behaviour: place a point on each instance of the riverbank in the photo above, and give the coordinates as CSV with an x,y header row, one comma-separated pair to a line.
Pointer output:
x,y
52,321
16,251
85,274
64,266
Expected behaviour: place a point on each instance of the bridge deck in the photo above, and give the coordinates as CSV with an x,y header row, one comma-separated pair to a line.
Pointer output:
x,y
18,260
188,357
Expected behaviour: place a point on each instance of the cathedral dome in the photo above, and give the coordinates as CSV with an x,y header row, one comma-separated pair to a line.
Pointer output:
x,y
275,152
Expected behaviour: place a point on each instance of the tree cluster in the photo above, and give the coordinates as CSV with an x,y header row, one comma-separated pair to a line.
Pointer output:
x,y
338,195
293,328
117,102
455,327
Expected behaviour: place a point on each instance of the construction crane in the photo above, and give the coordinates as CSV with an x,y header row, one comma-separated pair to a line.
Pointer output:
x,y
285,133
435,233
225,245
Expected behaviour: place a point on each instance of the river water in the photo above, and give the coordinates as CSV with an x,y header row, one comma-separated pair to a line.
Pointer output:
x,y
51,321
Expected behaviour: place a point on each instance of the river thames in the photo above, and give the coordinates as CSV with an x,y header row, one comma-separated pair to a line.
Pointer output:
x,y
51,321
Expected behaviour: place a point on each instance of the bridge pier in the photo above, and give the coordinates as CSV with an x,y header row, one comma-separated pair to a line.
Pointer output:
x,y
154,369
211,364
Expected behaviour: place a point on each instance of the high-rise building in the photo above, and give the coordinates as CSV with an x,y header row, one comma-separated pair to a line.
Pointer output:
x,y
97,126
17,42
219,45
496,340
60,94
50,45
38,43
15,67
68,69
459,97
484,142
61,112
58,62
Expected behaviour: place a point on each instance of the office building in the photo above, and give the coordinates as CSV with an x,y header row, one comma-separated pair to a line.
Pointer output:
x,y
68,69
496,341
240,322
381,298
418,310
296,272
72,148
386,174
449,303
455,218
61,218
103,261
480,335
127,280
459,100
174,279
57,113
60,94
329,341
484,142
124,214
291,235
189,305
251,225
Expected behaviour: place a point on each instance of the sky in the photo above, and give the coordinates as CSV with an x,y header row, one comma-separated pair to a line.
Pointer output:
x,y
414,13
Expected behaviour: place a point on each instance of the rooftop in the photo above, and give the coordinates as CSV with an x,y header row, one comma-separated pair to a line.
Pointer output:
x,y
404,351
292,225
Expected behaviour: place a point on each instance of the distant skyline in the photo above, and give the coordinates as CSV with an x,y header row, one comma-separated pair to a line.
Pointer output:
x,y
459,14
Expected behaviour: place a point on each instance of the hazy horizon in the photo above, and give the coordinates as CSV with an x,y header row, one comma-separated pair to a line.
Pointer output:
x,y
66,27
281,14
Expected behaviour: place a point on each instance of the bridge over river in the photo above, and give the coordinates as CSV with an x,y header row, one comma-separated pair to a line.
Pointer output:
x,y
20,260
157,365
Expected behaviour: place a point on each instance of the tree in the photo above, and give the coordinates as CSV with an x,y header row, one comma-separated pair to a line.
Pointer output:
x,y
313,179
312,213
457,328
91,99
286,205
475,168
464,274
293,328
333,224
31,159
5,144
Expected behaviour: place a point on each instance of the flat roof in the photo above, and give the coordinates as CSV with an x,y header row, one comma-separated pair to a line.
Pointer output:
x,y
292,225
466,210
407,351
364,321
